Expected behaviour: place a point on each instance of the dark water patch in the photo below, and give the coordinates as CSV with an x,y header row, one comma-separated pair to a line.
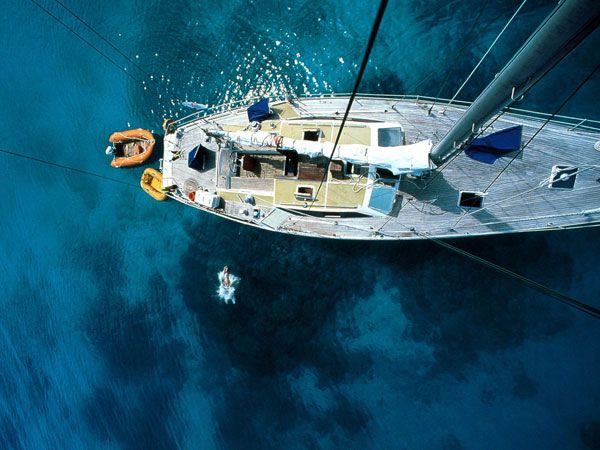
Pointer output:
x,y
337,365
102,257
85,187
136,339
104,416
523,386
37,382
288,292
450,442
488,396
590,435
464,309
265,413
350,418
259,413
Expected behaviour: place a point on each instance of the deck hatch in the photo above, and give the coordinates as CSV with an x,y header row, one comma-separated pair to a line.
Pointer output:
x,y
311,135
390,137
469,199
563,177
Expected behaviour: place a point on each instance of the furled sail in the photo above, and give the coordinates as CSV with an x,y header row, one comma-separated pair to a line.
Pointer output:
x,y
400,159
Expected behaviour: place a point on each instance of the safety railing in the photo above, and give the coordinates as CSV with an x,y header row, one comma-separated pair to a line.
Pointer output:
x,y
573,123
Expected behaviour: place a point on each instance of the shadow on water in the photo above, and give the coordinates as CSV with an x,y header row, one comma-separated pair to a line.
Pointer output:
x,y
289,295
463,309
293,290
590,434
289,290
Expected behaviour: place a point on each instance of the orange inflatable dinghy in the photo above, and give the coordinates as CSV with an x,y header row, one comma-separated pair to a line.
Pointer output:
x,y
151,182
131,147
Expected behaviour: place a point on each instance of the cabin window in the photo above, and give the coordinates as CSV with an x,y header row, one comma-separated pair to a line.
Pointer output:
x,y
389,137
304,192
311,135
468,199
563,177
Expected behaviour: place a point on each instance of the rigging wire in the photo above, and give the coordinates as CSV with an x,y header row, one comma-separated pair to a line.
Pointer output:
x,y
383,4
457,56
361,71
488,51
459,53
89,27
63,166
579,86
96,49
570,301
438,172
484,129
541,288
567,99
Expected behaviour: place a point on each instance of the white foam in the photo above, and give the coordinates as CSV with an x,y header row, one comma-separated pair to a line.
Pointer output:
x,y
227,294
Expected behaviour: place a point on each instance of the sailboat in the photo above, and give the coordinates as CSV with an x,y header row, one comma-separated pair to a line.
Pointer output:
x,y
400,167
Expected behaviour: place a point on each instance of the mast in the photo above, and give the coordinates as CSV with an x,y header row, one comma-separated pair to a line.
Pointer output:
x,y
566,26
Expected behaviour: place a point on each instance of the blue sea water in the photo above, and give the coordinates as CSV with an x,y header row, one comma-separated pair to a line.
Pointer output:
x,y
111,331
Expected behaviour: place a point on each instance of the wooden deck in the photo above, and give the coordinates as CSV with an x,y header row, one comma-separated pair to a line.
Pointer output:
x,y
520,200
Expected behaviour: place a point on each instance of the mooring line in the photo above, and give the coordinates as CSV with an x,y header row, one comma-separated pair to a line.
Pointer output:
x,y
63,166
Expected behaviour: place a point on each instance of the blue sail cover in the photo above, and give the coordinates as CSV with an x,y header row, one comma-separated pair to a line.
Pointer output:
x,y
491,147
259,111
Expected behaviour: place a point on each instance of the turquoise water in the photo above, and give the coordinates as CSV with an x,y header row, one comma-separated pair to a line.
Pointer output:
x,y
111,331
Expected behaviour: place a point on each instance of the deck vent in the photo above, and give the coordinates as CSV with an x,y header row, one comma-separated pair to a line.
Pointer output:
x,y
563,177
468,199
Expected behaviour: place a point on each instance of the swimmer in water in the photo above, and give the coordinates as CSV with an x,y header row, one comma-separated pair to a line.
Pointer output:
x,y
226,282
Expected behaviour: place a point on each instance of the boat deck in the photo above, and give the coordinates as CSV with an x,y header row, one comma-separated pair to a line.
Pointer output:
x,y
519,200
